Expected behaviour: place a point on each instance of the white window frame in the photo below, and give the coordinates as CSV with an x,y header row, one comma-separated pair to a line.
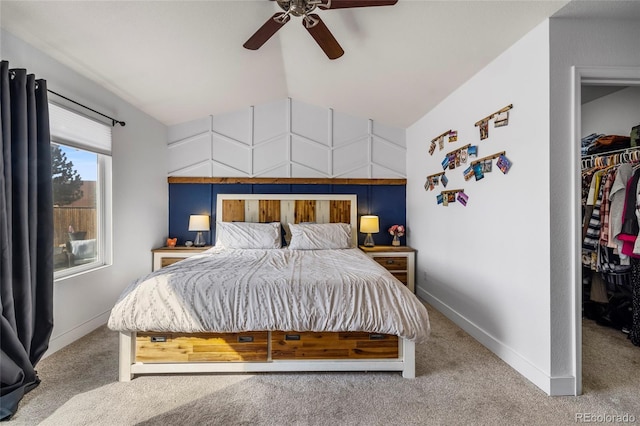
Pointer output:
x,y
104,210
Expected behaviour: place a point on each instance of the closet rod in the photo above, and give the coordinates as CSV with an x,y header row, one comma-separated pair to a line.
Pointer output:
x,y
607,153
113,120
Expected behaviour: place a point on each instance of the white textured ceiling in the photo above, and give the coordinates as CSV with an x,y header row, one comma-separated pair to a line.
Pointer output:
x,y
182,60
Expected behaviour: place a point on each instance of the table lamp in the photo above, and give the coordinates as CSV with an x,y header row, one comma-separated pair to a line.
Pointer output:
x,y
369,225
199,223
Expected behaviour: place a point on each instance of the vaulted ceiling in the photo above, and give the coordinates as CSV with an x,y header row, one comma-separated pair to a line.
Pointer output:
x,y
182,60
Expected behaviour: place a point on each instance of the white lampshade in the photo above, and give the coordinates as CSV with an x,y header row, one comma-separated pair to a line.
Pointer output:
x,y
369,224
198,222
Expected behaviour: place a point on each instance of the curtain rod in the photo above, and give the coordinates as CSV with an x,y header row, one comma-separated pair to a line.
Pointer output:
x,y
113,120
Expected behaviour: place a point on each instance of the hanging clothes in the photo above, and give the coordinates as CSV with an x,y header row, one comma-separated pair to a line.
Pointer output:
x,y
610,245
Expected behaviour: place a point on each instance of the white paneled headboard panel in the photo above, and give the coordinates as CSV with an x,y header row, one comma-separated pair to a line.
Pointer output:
x,y
290,208
286,138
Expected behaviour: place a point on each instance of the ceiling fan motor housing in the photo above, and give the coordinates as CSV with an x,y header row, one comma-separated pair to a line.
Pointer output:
x,y
298,7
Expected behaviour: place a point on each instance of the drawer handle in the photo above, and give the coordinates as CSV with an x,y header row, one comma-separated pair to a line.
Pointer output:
x,y
245,339
390,262
291,337
158,339
376,337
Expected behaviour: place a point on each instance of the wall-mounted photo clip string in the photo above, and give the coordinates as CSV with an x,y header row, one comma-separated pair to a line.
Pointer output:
x,y
462,148
479,167
451,196
439,140
501,119
442,135
432,181
451,191
488,157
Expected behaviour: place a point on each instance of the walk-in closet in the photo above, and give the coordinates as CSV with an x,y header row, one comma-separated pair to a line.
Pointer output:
x,y
610,177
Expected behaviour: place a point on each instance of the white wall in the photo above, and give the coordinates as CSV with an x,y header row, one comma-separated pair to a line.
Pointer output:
x,y
582,43
614,114
286,138
487,265
83,302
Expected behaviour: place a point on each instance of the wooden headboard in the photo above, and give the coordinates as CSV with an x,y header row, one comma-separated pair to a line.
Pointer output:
x,y
290,208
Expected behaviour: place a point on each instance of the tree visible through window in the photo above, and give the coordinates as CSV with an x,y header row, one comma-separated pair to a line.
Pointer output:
x,y
66,180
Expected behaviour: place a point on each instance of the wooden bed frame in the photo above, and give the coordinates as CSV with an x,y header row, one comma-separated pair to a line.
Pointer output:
x,y
280,351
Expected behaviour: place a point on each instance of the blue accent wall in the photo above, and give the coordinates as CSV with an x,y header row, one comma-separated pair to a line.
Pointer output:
x,y
386,201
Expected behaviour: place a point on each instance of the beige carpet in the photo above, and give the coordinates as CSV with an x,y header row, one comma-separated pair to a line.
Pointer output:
x,y
459,382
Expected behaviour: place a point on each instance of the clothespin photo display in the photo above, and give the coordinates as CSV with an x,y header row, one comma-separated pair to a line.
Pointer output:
x,y
439,140
434,180
500,117
484,165
451,196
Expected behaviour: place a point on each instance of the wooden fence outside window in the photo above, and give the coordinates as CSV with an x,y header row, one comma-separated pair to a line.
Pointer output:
x,y
82,219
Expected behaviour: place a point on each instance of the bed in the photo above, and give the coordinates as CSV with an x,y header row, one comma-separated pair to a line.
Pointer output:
x,y
248,305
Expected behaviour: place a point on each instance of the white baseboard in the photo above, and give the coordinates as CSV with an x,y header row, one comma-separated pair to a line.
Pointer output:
x,y
552,386
66,338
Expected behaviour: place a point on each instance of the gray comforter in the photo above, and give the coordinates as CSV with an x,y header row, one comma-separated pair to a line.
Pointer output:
x,y
226,290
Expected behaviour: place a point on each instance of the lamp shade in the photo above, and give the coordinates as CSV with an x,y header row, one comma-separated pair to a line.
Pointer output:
x,y
369,224
198,222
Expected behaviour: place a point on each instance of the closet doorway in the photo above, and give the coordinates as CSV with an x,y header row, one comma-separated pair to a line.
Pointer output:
x,y
594,89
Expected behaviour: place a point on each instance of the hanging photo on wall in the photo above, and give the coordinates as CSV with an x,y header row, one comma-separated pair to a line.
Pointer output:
x,y
445,200
473,151
426,184
468,173
463,198
484,129
453,136
463,156
487,165
503,163
445,162
432,147
501,119
444,180
452,160
439,198
451,197
441,143
435,180
477,171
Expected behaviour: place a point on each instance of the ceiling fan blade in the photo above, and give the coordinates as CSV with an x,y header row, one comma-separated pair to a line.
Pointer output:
x,y
323,36
266,31
343,4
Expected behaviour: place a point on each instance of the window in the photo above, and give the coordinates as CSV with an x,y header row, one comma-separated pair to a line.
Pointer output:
x,y
81,172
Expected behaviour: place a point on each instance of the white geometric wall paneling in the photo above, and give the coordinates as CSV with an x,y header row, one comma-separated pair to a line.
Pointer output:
x,y
287,139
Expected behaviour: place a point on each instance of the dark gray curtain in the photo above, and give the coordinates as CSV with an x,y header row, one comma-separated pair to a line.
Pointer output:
x,y
26,233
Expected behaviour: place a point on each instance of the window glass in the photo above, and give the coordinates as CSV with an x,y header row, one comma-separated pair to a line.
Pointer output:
x,y
81,175
75,207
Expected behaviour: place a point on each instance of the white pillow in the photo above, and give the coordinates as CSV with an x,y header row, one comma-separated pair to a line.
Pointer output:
x,y
320,236
248,235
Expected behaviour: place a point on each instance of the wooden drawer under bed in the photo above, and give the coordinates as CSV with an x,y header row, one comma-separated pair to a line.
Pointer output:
x,y
337,345
202,347
254,346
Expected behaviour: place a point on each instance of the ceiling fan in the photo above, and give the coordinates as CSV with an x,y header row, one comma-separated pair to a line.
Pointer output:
x,y
311,21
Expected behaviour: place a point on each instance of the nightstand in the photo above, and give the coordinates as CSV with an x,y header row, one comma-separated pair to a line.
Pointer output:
x,y
165,256
399,260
